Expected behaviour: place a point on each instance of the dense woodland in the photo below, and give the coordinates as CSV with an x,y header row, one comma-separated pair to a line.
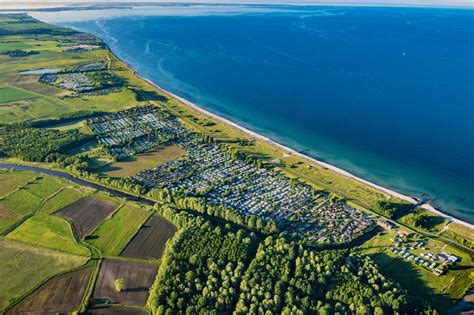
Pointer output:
x,y
34,144
213,268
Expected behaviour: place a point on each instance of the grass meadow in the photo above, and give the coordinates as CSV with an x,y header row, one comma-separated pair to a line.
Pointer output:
x,y
55,233
115,232
25,266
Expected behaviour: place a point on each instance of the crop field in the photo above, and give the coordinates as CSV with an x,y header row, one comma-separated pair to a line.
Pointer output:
x,y
138,278
22,202
7,218
25,266
60,200
44,187
87,214
11,94
114,233
151,239
60,294
116,310
134,164
11,181
55,233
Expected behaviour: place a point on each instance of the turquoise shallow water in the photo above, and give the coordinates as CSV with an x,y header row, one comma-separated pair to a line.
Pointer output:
x,y
385,93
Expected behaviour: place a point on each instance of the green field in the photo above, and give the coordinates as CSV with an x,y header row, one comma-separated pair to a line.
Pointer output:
x,y
11,181
44,187
11,94
132,165
22,202
61,199
55,233
25,266
115,233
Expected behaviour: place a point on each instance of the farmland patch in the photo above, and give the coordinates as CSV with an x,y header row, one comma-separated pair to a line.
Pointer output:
x,y
114,233
48,231
151,239
133,164
60,294
25,266
60,200
22,202
11,94
138,278
87,214
116,310
44,186
12,180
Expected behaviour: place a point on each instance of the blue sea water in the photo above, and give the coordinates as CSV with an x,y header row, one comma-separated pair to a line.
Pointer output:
x,y
386,93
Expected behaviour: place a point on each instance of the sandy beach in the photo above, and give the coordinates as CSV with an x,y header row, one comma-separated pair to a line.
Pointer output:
x,y
290,151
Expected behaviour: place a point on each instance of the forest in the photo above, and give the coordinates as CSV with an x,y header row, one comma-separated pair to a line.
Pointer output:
x,y
34,144
213,268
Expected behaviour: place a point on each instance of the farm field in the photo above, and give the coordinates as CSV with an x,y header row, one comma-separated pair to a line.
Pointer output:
x,y
151,239
132,165
44,187
87,214
25,193
60,200
138,279
11,94
11,181
63,293
25,266
114,233
22,202
116,310
55,233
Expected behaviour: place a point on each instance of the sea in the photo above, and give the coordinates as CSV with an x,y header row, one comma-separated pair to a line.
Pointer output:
x,y
386,93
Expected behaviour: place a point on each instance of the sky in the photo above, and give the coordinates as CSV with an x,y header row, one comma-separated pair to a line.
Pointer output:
x,y
55,3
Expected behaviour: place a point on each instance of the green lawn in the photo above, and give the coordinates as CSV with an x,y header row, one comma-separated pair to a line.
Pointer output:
x,y
24,266
114,233
11,94
48,231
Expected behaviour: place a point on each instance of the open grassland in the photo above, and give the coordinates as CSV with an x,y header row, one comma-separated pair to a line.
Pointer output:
x,y
11,94
59,295
76,124
151,239
114,233
48,231
460,234
87,214
134,164
24,266
138,278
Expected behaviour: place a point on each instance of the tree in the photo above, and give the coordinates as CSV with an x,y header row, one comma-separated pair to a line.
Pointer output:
x,y
119,285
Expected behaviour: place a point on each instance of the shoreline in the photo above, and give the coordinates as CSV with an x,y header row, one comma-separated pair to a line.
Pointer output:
x,y
290,151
